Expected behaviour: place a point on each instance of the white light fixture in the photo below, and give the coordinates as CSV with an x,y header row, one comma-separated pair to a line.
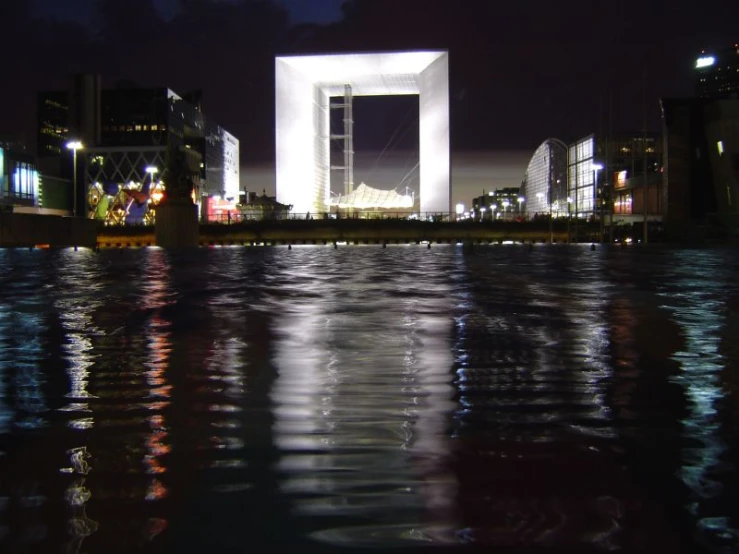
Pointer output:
x,y
74,145
704,61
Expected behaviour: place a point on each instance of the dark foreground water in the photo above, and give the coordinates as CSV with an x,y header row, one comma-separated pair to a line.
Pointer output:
x,y
317,400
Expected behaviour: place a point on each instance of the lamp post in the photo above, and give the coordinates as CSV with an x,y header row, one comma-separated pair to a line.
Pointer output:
x,y
596,168
151,170
569,217
74,146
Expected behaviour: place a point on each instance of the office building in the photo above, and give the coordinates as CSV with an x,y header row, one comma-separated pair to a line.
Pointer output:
x,y
596,177
701,173
544,187
717,73
500,204
632,174
130,135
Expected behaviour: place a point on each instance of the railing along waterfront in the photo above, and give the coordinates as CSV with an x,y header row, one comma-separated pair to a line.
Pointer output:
x,y
302,230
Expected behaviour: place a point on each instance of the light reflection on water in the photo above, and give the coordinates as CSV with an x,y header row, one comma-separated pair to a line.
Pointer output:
x,y
363,395
698,307
321,400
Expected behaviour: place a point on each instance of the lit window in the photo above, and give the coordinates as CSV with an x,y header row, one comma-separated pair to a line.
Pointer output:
x,y
138,127
154,127
145,127
720,146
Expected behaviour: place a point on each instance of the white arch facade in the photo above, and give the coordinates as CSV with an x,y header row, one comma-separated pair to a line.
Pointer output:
x,y
304,85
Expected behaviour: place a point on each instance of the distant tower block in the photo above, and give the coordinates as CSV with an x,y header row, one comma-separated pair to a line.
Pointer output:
x,y
304,86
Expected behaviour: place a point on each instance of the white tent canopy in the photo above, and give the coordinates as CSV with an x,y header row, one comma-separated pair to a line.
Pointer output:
x,y
365,197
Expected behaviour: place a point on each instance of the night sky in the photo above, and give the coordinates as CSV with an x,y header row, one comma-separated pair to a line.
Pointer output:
x,y
520,71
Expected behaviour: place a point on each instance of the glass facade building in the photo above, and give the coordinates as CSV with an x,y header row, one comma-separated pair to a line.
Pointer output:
x,y
221,161
544,187
581,177
627,159
19,180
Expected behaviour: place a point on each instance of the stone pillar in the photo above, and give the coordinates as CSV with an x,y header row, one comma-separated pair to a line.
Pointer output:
x,y
177,224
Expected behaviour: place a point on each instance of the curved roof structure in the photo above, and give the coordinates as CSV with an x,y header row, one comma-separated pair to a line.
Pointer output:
x,y
545,183
365,197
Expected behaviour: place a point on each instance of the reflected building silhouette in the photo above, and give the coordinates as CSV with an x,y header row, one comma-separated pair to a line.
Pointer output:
x,y
533,370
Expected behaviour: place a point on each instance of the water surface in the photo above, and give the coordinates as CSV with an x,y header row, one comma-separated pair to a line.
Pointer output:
x,y
500,399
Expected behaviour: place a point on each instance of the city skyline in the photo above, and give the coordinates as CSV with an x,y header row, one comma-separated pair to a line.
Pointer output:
x,y
512,86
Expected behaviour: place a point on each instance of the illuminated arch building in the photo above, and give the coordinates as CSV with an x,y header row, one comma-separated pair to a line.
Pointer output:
x,y
304,87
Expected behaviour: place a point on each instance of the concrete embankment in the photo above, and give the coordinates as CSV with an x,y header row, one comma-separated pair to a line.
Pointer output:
x,y
352,231
31,230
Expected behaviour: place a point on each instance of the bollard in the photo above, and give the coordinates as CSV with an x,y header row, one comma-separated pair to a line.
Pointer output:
x,y
592,247
289,247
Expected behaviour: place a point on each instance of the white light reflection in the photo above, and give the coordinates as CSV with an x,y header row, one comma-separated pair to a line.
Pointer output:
x,y
78,298
76,496
76,278
361,403
698,306
586,308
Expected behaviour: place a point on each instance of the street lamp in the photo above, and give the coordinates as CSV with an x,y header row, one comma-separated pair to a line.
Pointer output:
x,y
151,170
74,146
